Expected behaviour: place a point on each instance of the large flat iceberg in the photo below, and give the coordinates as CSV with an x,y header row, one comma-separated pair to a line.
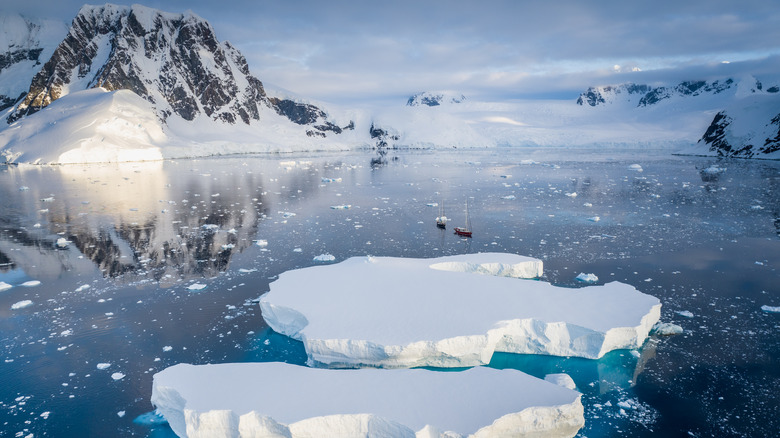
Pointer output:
x,y
283,400
449,312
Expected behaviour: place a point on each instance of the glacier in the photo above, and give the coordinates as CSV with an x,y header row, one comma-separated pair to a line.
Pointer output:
x,y
453,311
275,399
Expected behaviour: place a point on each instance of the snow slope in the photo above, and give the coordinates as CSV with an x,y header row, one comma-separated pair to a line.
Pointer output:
x,y
92,126
394,312
282,400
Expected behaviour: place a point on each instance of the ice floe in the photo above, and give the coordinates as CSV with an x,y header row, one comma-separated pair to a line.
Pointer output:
x,y
4,286
21,304
770,309
401,312
667,329
196,286
324,258
283,400
587,278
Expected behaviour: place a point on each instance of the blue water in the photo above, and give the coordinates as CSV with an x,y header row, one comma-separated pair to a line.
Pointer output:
x,y
706,245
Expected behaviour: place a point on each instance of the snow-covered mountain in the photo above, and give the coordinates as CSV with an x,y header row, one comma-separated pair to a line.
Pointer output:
x,y
25,44
748,129
172,60
435,98
180,92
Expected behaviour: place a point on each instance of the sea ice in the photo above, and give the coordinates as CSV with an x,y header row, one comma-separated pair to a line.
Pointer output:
x,y
587,278
635,167
103,365
324,258
282,400
396,312
30,283
770,309
21,304
4,286
667,329
62,242
117,376
196,286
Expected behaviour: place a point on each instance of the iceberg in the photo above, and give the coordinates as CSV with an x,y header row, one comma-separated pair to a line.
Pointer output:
x,y
449,312
282,400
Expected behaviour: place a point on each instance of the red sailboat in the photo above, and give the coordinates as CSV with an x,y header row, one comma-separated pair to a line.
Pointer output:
x,y
465,231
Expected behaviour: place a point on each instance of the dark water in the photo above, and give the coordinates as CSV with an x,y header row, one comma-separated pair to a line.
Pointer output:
x,y
139,235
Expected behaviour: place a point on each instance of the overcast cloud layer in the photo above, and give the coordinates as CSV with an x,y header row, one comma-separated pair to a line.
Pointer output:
x,y
343,51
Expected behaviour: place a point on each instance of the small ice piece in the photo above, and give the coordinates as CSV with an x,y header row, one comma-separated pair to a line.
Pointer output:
x,y
120,414
4,286
247,271
297,249
210,227
45,415
770,309
561,379
196,286
667,329
167,348
587,278
572,194
341,207
23,188
587,204
432,204
402,312
30,283
635,168
509,197
684,313
228,246
117,376
37,225
713,170
594,219
261,242
330,180
82,288
62,242
21,304
279,399
324,258
506,176
49,199
103,365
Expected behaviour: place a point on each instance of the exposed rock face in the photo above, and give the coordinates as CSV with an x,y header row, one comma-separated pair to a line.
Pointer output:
x,y
722,140
172,60
24,46
649,95
434,99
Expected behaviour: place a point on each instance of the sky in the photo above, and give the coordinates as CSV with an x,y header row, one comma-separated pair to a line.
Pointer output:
x,y
342,51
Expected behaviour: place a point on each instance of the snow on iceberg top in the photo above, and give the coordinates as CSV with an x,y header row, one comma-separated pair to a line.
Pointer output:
x,y
256,397
397,312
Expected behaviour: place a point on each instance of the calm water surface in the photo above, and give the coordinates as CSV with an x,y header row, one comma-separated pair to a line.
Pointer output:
x,y
160,264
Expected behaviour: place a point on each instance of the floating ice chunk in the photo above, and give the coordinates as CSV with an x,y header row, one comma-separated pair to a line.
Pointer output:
x,y
21,304
117,376
37,225
210,227
120,414
587,204
247,271
713,170
62,242
396,312
4,286
509,197
330,180
103,365
635,167
685,313
283,400
561,379
261,242
572,195
594,219
196,286
506,176
432,204
341,207
82,288
31,283
45,415
23,188
770,309
587,278
49,199
667,329
297,249
228,246
167,348
324,258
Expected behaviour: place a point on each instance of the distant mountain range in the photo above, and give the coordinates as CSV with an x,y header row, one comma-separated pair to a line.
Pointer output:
x,y
175,90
